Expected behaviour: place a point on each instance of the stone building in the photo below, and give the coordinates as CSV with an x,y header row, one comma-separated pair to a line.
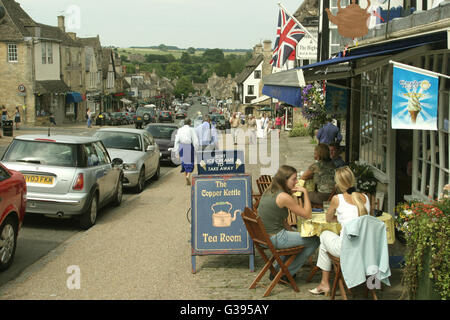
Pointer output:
x,y
221,88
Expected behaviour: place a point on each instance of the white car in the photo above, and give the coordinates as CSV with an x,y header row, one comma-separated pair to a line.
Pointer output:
x,y
139,152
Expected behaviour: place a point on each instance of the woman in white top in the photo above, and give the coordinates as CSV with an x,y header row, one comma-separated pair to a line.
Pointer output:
x,y
186,142
347,206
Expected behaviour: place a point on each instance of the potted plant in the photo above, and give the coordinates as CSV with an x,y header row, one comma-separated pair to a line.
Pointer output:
x,y
313,107
426,227
365,179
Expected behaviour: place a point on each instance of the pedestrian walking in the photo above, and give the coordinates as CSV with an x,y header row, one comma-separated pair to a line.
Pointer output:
x,y
17,117
88,118
251,125
264,125
186,142
234,124
5,114
207,134
52,119
278,122
329,133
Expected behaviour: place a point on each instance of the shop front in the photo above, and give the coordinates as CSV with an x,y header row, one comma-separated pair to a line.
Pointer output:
x,y
50,97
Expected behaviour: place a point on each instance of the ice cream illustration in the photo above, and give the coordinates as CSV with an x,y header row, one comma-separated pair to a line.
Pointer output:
x,y
203,164
238,163
413,105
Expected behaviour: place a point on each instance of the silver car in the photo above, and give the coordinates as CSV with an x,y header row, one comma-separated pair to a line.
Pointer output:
x,y
139,152
66,175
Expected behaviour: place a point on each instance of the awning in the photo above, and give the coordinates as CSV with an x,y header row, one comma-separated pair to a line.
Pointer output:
x,y
51,86
290,95
74,97
260,100
291,78
126,101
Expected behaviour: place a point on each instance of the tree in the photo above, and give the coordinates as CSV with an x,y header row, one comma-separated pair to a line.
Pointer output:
x,y
213,55
191,50
174,70
185,58
162,47
223,69
184,87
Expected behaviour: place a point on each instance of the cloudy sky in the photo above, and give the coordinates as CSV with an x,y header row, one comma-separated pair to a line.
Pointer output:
x,y
227,24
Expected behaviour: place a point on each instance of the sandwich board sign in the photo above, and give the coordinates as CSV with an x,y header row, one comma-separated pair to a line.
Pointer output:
x,y
217,202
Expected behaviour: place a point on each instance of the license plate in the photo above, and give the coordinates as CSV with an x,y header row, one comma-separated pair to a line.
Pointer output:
x,y
100,116
139,118
39,179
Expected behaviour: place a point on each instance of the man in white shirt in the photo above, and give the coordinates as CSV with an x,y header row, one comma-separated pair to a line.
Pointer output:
x,y
186,142
207,134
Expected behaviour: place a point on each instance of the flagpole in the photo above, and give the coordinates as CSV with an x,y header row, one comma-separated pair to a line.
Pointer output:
x,y
296,21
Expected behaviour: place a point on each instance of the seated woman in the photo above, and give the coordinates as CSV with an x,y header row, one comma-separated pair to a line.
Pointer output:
x,y
273,210
322,173
347,206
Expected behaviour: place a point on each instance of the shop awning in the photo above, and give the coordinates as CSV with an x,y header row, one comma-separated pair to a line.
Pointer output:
x,y
290,95
126,101
74,97
261,100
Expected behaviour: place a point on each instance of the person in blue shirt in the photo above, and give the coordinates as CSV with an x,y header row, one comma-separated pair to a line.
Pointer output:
x,y
207,134
329,133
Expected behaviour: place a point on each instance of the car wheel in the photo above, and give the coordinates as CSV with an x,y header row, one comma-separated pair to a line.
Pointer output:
x,y
141,181
8,243
157,173
119,192
89,217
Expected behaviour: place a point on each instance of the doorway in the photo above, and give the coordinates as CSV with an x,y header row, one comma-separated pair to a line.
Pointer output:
x,y
403,164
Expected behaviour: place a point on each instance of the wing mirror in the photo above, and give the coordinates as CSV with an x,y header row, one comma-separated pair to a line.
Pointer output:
x,y
151,148
116,162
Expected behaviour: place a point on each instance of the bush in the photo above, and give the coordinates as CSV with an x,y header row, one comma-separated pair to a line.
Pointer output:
x,y
299,130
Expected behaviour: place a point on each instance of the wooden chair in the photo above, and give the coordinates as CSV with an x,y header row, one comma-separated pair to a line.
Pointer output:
x,y
261,241
339,279
263,182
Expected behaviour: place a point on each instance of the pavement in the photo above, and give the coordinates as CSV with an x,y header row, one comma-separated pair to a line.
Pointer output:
x,y
142,250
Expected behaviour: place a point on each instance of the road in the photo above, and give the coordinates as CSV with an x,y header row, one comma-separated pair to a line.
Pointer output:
x,y
40,235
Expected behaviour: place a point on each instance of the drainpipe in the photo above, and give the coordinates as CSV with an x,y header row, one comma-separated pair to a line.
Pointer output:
x,y
387,22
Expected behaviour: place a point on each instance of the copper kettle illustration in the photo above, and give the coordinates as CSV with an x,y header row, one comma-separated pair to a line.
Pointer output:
x,y
223,218
351,21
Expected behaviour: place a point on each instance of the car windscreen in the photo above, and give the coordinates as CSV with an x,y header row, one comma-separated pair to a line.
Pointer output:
x,y
40,152
120,140
161,132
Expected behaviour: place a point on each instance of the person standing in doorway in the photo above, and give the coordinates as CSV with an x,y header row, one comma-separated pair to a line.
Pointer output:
x,y
329,133
234,124
17,117
186,142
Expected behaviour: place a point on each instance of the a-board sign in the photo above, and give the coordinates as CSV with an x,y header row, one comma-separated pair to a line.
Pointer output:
x,y
216,225
220,162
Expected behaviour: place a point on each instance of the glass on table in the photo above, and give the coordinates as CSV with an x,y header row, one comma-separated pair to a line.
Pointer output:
x,y
326,205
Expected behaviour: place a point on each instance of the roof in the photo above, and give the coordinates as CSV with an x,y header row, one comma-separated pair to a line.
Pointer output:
x,y
52,32
15,22
51,86
71,139
249,68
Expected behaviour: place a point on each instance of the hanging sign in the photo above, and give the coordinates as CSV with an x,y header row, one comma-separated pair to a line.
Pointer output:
x,y
414,99
336,100
217,226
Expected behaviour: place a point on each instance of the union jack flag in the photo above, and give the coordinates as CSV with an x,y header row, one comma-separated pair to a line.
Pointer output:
x,y
289,33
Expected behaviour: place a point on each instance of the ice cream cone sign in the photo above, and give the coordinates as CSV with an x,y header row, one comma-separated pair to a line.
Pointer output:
x,y
352,21
414,107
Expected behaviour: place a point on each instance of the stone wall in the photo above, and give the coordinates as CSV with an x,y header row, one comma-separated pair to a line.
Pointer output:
x,y
13,74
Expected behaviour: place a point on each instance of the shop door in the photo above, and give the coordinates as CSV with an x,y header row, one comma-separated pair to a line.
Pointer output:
x,y
403,164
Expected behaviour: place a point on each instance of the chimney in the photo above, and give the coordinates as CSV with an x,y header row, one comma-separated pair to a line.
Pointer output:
x,y
61,24
267,45
257,49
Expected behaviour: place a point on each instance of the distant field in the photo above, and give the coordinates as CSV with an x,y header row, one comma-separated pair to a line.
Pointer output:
x,y
175,53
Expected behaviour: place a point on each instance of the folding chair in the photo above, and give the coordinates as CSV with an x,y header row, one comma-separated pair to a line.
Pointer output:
x,y
262,242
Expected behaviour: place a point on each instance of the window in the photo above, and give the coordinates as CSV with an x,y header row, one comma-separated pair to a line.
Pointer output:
x,y
101,153
12,53
44,52
91,155
4,174
374,121
68,56
50,52
257,74
250,89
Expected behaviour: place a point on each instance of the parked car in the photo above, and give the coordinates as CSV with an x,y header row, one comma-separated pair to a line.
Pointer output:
x,y
180,115
103,118
13,190
165,116
117,118
164,135
139,151
66,175
219,121
145,115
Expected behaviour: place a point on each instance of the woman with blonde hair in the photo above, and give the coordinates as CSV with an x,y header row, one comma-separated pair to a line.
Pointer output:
x,y
273,210
348,206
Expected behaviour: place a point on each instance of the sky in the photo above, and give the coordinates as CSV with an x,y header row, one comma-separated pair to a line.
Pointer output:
x,y
225,24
